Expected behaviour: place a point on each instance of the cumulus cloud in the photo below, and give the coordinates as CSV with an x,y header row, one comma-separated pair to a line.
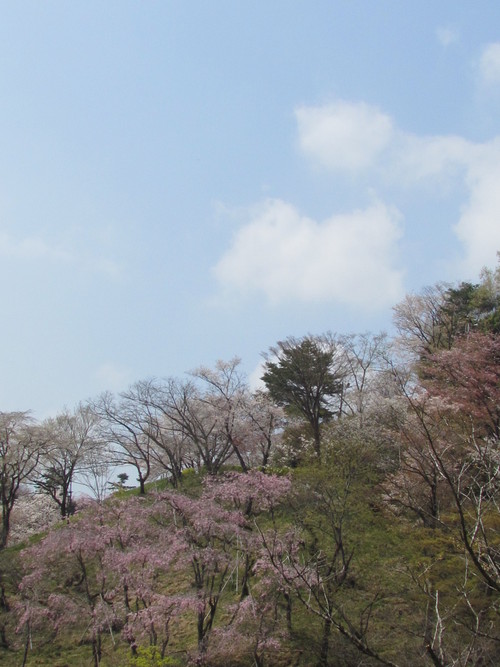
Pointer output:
x,y
475,169
343,135
478,226
489,64
352,258
348,136
255,377
415,159
347,258
410,160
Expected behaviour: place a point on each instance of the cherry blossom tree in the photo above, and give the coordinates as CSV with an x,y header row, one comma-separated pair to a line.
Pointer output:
x,y
209,533
449,441
68,584
448,475
313,558
114,567
261,425
21,447
253,633
465,381
190,422
366,362
100,573
72,440
252,494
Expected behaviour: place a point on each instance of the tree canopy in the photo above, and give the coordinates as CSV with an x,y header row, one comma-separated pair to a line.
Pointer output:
x,y
306,377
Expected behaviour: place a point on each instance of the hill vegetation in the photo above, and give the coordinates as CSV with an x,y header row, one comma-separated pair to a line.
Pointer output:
x,y
347,515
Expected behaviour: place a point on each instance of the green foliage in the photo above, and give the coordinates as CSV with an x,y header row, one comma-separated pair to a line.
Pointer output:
x,y
149,656
472,307
326,564
302,375
302,378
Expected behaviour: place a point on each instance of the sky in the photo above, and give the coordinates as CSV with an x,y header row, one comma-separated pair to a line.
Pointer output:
x,y
184,181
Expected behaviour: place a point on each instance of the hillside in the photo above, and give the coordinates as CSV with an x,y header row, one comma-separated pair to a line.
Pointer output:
x,y
347,516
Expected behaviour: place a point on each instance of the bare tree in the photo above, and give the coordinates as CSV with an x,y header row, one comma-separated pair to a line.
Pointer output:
x,y
419,321
98,472
365,361
22,444
249,422
196,421
169,443
71,439
225,392
262,427
123,427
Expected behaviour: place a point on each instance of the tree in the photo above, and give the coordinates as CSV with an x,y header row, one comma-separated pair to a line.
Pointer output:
x,y
415,487
435,318
75,555
449,476
98,472
315,557
253,636
137,564
248,421
21,447
194,422
306,376
467,377
420,323
122,426
465,382
365,363
262,426
225,390
489,296
71,441
100,573
209,534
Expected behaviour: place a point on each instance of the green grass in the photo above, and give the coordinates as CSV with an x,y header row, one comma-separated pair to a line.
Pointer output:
x,y
393,561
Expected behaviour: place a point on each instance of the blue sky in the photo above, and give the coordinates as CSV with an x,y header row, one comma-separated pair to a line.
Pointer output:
x,y
186,181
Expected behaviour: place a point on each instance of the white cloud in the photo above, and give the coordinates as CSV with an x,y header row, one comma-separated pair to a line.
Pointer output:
x,y
352,258
343,135
410,160
478,227
489,64
355,136
255,378
415,159
447,35
346,258
474,168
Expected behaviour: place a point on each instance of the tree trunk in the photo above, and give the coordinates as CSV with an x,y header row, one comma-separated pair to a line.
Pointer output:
x,y
96,650
325,642
142,485
317,439
288,600
4,530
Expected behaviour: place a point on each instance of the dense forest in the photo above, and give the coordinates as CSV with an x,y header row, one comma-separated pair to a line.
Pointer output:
x,y
344,515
